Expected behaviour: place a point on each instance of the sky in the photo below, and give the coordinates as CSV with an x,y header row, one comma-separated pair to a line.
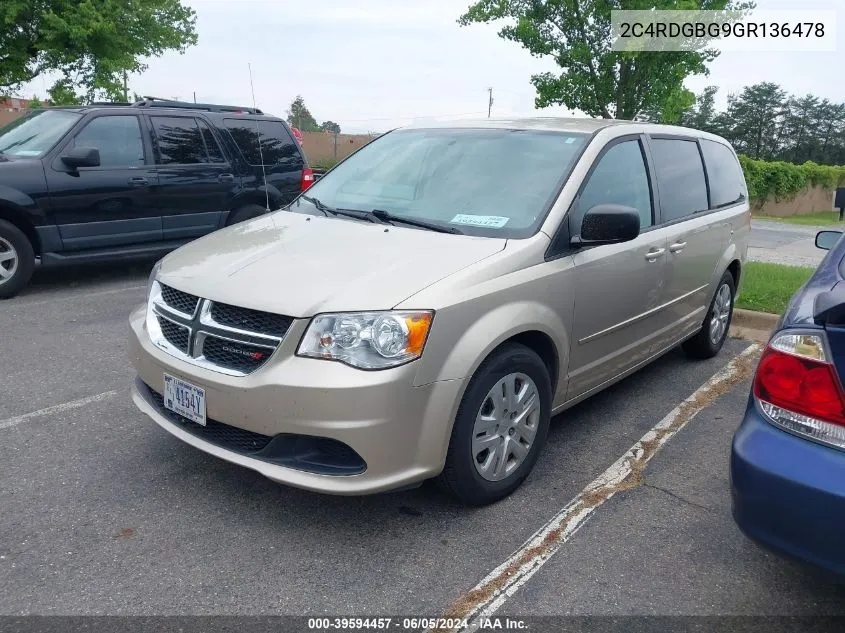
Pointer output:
x,y
371,65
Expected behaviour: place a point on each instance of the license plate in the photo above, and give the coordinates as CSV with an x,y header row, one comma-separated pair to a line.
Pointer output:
x,y
185,399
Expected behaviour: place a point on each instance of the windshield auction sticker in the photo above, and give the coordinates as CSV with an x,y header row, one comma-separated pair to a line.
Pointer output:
x,y
487,221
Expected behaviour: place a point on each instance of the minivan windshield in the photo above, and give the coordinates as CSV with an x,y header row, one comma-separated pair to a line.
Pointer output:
x,y
490,182
32,136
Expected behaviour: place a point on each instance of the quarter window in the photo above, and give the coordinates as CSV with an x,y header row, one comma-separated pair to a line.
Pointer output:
x,y
276,146
680,178
118,139
727,184
620,177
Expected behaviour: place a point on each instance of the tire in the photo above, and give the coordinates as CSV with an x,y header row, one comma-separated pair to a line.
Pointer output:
x,y
703,345
244,213
17,260
467,455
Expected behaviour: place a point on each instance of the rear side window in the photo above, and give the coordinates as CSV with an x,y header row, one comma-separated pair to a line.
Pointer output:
x,y
179,141
215,154
277,147
680,177
620,177
727,185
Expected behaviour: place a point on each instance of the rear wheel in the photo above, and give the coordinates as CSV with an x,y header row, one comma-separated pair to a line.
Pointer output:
x,y
17,260
500,428
714,331
244,213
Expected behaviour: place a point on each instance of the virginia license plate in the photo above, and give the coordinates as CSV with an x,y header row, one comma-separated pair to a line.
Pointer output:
x,y
185,399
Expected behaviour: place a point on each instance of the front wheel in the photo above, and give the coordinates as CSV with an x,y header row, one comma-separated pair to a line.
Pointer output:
x,y
714,331
500,428
17,260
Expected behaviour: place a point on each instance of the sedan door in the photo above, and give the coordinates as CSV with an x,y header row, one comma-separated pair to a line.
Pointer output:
x,y
108,205
618,287
196,182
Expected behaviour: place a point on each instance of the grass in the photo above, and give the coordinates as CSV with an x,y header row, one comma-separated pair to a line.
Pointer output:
x,y
817,218
769,287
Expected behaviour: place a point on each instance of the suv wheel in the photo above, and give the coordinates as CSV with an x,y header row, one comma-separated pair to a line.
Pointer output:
x,y
17,260
714,331
246,212
500,428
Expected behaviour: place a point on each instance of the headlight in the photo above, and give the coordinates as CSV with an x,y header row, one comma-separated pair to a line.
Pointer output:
x,y
369,340
153,275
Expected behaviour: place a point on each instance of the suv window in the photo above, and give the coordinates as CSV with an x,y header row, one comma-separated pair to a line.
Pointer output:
x,y
680,177
117,137
179,141
277,147
619,178
727,184
215,154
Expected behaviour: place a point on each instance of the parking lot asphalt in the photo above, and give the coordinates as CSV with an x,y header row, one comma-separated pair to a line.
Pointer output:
x,y
105,513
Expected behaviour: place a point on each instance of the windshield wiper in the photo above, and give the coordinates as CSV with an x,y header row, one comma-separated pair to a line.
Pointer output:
x,y
387,216
350,213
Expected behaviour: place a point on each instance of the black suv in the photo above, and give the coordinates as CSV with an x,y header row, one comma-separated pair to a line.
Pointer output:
x,y
119,181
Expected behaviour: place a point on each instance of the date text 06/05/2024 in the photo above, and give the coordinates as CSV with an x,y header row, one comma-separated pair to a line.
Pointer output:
x,y
414,624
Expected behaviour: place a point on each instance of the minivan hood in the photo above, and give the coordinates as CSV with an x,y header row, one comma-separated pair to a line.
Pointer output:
x,y
301,265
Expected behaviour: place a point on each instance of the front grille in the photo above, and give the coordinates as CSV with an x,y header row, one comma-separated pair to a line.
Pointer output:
x,y
176,335
217,336
217,433
250,320
178,300
240,357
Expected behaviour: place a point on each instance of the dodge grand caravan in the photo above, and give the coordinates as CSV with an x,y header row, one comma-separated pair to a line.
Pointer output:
x,y
426,307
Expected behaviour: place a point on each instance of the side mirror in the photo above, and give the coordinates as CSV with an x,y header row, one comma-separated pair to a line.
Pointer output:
x,y
82,157
827,239
608,224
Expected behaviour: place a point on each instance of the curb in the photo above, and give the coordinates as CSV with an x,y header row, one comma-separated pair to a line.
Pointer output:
x,y
755,326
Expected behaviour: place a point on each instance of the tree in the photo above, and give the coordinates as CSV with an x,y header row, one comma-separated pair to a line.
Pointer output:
x,y
595,79
35,102
300,117
704,114
755,119
92,43
330,126
675,109
62,93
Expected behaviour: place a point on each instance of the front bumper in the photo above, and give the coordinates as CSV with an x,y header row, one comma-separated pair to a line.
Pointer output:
x,y
788,492
401,431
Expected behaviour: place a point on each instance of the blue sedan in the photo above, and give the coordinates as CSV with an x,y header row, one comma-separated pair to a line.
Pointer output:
x,y
788,455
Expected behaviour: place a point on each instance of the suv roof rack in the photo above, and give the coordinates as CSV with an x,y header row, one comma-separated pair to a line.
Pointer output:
x,y
156,102
111,103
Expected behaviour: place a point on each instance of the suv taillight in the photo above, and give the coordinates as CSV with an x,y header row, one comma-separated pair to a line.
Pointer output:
x,y
797,388
307,178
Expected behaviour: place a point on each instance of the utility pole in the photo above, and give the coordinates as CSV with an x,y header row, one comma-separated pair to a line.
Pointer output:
x,y
125,88
195,96
490,102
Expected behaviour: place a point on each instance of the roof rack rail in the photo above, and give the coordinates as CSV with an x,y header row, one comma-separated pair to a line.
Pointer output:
x,y
157,102
111,103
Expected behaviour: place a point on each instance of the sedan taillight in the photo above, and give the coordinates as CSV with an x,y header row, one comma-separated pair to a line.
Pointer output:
x,y
797,388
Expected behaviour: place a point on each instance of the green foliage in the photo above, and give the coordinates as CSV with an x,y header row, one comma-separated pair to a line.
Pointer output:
x,y
330,126
783,181
300,117
34,103
92,43
769,287
62,93
593,78
324,163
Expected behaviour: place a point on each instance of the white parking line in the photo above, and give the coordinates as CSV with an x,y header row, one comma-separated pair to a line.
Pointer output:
x,y
493,591
83,295
59,408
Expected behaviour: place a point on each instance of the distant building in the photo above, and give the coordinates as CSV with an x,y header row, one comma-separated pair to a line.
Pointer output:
x,y
13,107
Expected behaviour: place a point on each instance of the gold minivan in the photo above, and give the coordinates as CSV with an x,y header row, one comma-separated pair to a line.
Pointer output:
x,y
425,308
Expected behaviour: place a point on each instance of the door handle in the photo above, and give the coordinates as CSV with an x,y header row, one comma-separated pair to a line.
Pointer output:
x,y
654,253
677,247
138,182
226,178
